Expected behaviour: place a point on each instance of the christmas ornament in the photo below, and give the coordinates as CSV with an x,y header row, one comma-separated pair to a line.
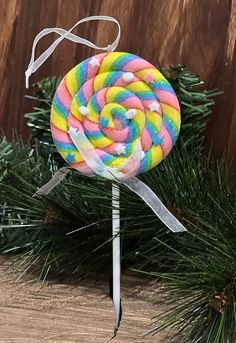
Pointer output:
x,y
122,109
113,115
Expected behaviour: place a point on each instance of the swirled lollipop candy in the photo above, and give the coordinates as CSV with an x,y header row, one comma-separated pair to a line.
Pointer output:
x,y
120,103
113,115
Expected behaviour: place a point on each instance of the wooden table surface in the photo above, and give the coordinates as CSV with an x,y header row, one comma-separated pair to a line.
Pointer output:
x,y
33,312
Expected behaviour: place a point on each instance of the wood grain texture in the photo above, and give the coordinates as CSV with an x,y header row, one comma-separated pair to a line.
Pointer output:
x,y
198,33
74,312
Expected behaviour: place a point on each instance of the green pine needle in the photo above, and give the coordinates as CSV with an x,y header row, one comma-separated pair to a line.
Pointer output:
x,y
70,229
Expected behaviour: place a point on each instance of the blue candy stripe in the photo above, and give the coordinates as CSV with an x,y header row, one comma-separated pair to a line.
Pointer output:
x,y
171,128
81,72
133,133
146,162
120,115
65,147
129,148
95,105
80,98
107,158
122,96
121,61
162,86
112,78
145,95
94,134
153,133
59,107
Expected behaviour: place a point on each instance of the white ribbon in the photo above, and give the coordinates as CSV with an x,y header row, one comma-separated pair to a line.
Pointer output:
x,y
55,180
95,163
87,151
64,34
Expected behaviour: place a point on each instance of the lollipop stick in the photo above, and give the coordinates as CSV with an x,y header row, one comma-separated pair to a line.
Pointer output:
x,y
116,253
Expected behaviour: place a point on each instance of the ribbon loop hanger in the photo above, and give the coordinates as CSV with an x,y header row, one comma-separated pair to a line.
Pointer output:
x,y
64,34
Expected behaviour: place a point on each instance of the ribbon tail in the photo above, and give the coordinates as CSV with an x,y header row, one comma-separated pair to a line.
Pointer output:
x,y
151,199
116,254
55,180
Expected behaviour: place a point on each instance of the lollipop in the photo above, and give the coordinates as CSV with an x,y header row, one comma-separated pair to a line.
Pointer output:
x,y
113,115
122,107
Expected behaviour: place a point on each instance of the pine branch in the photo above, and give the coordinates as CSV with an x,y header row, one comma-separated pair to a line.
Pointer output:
x,y
69,230
39,119
177,181
200,293
195,102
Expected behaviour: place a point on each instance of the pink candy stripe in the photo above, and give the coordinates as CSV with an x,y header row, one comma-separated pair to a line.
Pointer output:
x,y
82,167
60,135
117,135
146,103
90,125
167,141
168,98
74,122
137,65
122,83
101,97
87,89
99,152
111,149
92,71
63,93
146,140
133,102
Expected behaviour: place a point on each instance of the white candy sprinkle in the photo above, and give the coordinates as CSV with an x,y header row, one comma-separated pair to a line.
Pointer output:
x,y
120,149
130,114
142,155
84,110
94,62
154,107
128,76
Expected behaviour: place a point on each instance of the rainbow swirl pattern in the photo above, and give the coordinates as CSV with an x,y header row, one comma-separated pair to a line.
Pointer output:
x,y
115,98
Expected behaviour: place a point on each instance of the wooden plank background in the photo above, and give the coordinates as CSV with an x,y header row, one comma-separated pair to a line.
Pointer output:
x,y
198,33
